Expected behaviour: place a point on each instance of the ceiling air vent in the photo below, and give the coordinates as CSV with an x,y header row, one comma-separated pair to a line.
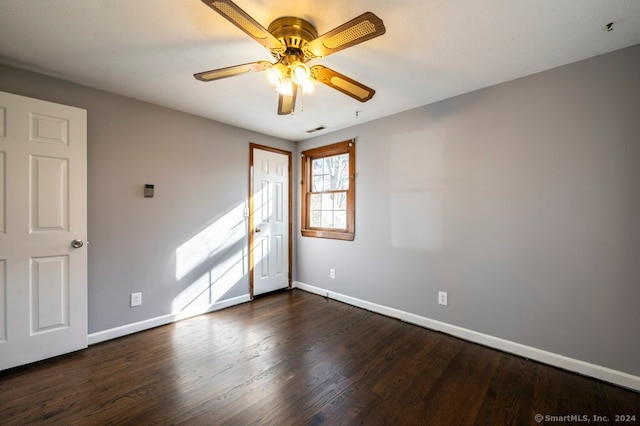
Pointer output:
x,y
317,129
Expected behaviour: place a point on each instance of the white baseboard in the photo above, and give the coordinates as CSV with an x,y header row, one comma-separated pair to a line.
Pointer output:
x,y
592,370
114,333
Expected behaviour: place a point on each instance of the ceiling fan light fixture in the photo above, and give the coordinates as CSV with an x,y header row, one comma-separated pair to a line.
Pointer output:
x,y
276,75
300,73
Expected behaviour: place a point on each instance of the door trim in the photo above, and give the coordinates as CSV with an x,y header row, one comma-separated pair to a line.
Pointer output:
x,y
251,219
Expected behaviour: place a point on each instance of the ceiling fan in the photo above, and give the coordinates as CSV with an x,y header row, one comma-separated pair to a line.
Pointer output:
x,y
293,42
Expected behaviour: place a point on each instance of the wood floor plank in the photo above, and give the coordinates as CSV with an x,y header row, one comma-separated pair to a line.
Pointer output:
x,y
509,395
297,358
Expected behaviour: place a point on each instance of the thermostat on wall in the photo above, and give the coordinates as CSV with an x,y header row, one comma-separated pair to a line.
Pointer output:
x,y
148,191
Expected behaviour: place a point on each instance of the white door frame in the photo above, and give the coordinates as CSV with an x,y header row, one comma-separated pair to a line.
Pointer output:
x,y
253,146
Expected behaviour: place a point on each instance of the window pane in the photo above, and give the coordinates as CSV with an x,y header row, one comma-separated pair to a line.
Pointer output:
x,y
317,167
343,184
327,182
327,219
342,174
315,202
316,219
318,183
327,201
340,202
328,166
340,220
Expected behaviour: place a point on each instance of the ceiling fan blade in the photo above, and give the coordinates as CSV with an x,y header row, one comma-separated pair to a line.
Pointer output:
x,y
362,28
342,83
232,71
287,104
246,23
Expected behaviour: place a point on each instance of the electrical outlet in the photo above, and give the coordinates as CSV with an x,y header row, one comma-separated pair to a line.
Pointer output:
x,y
443,298
136,299
332,274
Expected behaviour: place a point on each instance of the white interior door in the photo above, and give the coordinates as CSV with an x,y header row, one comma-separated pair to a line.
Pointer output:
x,y
43,208
270,221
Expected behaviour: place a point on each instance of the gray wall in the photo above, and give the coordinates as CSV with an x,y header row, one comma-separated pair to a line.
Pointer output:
x,y
200,172
521,201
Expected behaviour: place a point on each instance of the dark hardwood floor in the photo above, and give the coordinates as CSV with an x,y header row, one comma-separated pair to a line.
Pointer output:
x,y
296,358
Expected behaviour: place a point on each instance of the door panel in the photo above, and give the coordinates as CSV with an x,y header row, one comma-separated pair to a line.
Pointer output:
x,y
3,182
47,129
49,204
270,220
279,254
49,293
43,186
263,259
3,119
279,202
263,207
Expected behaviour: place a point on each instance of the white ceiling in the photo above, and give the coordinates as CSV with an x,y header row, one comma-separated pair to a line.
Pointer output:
x,y
432,50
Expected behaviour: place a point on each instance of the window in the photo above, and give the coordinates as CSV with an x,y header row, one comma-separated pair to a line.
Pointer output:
x,y
328,191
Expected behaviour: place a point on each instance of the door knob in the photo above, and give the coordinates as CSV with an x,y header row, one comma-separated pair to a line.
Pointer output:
x,y
77,243
257,230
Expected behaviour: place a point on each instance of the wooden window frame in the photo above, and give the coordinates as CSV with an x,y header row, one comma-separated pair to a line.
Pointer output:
x,y
346,147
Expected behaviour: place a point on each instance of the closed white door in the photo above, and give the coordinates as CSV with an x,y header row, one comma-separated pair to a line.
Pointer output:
x,y
43,209
270,220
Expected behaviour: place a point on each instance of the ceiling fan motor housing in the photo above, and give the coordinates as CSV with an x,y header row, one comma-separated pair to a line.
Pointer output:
x,y
295,33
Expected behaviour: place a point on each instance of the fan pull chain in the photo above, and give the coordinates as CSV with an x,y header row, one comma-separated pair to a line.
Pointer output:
x,y
301,100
